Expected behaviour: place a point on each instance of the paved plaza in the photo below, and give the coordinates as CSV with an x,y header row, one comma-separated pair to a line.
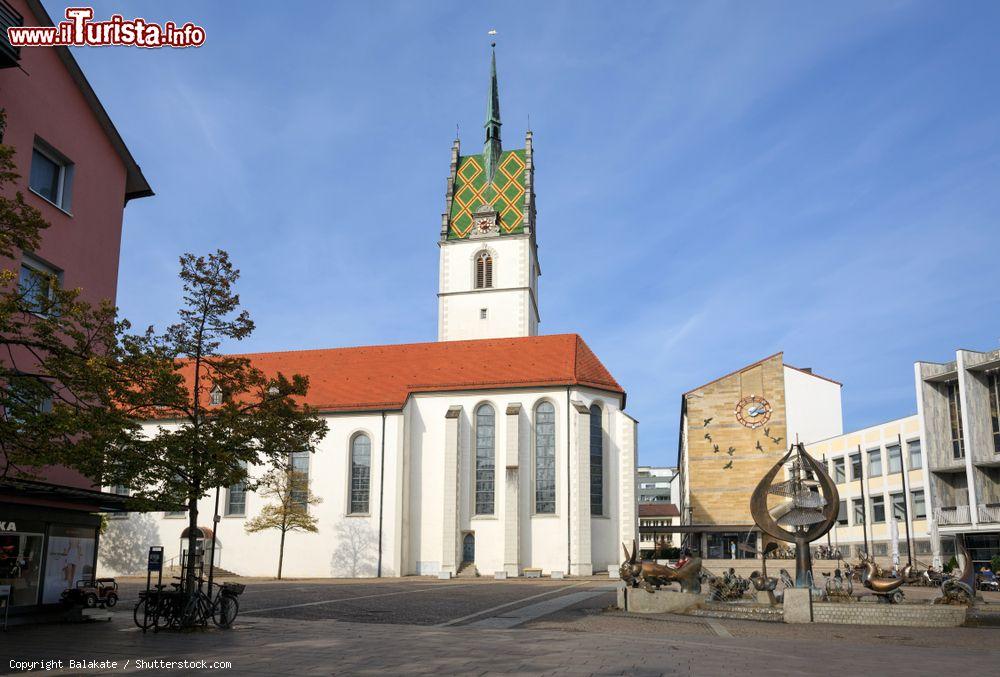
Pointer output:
x,y
424,626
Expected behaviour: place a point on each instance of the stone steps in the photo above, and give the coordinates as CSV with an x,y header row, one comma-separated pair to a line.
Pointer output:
x,y
738,612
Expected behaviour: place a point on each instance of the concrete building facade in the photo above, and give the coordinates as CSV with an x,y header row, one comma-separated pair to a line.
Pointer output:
x,y
957,406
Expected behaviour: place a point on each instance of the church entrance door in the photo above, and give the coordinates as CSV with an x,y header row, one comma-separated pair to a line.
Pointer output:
x,y
468,548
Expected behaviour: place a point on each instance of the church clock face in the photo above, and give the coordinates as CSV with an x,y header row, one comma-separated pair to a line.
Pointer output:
x,y
753,411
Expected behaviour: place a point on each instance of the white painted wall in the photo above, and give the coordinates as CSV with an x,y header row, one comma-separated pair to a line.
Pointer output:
x,y
412,506
511,305
812,407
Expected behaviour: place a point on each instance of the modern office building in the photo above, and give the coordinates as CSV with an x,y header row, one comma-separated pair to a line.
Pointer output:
x,y
656,484
957,405
75,169
880,477
732,431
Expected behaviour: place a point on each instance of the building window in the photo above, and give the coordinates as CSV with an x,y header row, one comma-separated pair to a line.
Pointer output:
x,y
485,458
916,460
482,313
298,463
919,506
545,459
51,175
839,472
120,491
596,461
955,413
921,547
880,549
994,388
484,270
855,467
878,509
37,282
874,462
859,511
898,505
236,495
842,512
216,396
361,470
894,459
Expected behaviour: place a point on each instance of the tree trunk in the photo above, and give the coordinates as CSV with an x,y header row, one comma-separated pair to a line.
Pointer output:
x,y
281,553
192,541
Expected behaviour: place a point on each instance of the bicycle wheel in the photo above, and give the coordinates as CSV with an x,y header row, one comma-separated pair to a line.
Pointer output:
x,y
142,614
224,611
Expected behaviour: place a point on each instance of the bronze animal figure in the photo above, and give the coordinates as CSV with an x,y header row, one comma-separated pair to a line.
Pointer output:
x,y
651,575
885,586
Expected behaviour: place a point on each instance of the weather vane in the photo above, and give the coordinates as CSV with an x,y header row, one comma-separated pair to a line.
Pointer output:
x,y
492,33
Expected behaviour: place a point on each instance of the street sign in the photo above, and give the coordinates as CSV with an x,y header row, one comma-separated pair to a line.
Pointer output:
x,y
155,561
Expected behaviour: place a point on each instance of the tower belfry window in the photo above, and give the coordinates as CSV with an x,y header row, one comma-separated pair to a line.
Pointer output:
x,y
484,270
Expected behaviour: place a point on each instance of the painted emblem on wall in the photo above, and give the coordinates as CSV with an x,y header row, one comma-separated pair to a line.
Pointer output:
x,y
753,411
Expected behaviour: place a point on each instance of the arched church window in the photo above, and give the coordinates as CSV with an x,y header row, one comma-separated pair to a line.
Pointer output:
x,y
545,458
596,461
485,459
361,467
484,270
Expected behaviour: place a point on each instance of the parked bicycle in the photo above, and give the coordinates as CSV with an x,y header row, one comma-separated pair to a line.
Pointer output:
x,y
162,608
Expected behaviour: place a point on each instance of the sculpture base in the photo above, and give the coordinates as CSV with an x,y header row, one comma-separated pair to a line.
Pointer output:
x,y
637,600
797,603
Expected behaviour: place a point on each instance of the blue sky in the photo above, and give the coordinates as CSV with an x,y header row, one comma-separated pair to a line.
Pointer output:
x,y
716,181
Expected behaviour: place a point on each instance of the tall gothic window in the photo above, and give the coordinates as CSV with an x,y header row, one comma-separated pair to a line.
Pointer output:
x,y
596,461
299,463
485,455
361,469
545,458
484,270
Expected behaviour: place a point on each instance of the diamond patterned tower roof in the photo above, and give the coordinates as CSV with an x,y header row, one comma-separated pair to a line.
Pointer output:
x,y
496,178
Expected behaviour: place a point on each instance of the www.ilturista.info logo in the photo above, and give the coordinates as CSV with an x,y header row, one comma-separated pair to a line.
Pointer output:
x,y
80,30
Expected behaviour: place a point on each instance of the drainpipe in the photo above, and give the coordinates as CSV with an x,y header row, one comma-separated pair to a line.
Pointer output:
x,y
569,489
381,495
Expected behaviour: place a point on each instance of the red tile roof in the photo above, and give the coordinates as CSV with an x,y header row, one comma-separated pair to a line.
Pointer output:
x,y
658,510
370,378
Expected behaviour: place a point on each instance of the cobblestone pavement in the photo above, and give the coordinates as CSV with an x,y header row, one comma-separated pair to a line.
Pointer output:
x,y
584,638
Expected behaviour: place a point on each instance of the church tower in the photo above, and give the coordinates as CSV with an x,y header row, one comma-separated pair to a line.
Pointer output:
x,y
488,279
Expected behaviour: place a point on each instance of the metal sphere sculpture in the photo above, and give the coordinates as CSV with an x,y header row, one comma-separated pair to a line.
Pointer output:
x,y
809,513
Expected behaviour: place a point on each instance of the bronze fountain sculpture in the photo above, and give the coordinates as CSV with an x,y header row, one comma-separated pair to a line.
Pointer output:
x,y
960,590
886,587
809,514
652,575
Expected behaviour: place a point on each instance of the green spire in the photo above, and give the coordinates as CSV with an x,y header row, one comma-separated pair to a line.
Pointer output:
x,y
492,148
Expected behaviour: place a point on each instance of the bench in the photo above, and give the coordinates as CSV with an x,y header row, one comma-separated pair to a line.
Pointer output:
x,y
532,573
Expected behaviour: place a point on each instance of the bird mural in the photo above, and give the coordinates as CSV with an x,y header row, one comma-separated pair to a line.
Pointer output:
x,y
708,436
731,450
728,465
767,432
708,420
758,447
776,440
715,448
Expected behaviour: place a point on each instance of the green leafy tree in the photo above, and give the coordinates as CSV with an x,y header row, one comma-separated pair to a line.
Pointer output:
x,y
20,223
202,444
289,511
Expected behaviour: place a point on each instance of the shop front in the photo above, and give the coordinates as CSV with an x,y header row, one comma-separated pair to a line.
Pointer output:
x,y
47,545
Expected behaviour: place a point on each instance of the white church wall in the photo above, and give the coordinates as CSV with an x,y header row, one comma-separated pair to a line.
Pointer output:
x,y
344,546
